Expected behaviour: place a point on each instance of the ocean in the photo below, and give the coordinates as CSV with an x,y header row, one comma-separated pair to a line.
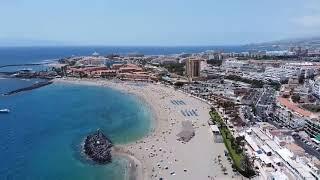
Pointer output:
x,y
40,139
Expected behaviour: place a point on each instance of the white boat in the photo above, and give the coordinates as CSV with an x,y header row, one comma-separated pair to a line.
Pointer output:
x,y
4,110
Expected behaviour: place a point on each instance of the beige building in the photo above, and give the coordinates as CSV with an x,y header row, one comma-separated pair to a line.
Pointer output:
x,y
193,68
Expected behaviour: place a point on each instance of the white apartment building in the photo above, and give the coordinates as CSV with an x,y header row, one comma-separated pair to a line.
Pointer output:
x,y
307,69
289,119
243,66
279,74
233,64
315,87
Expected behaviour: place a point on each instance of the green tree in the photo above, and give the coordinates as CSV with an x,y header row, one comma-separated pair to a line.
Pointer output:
x,y
247,165
212,109
215,62
254,109
295,98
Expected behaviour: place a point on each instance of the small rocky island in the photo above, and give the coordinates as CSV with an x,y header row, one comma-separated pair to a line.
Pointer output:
x,y
98,148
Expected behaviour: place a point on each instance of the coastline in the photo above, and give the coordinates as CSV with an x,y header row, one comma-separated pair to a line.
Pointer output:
x,y
159,154
134,170
118,86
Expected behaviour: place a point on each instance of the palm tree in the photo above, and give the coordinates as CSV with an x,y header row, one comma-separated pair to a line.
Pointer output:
x,y
233,143
290,115
247,165
239,140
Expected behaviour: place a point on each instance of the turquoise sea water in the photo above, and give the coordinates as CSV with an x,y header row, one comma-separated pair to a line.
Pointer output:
x,y
40,138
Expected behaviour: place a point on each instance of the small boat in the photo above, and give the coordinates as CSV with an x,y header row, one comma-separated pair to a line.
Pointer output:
x,y
25,69
4,110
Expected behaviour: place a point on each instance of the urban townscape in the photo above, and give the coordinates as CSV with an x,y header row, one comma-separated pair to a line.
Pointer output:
x,y
264,104
160,90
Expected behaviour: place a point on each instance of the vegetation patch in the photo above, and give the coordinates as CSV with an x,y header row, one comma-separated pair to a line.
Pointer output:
x,y
177,68
254,83
241,161
312,107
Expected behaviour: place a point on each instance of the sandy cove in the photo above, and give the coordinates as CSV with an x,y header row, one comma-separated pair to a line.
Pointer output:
x,y
160,154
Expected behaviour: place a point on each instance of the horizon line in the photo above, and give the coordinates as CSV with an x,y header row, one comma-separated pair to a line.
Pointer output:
x,y
101,45
53,43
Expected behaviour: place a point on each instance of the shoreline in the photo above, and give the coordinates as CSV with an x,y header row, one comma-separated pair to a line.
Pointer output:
x,y
134,168
158,154
117,86
135,171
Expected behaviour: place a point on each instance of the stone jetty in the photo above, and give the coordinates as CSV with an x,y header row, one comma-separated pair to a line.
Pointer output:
x,y
34,86
98,147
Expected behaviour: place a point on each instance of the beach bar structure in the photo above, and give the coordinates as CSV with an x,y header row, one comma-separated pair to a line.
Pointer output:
x,y
266,150
215,130
251,143
216,133
265,159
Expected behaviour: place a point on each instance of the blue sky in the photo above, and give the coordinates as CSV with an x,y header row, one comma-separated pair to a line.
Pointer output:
x,y
157,22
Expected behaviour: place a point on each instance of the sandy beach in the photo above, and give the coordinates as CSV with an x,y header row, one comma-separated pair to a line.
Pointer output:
x,y
160,154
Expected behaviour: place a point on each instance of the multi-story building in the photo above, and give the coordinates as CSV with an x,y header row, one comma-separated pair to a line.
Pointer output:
x,y
316,87
312,127
306,69
279,53
279,74
289,119
193,67
234,64
215,56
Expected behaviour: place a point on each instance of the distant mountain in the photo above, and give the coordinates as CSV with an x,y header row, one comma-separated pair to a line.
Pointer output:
x,y
310,42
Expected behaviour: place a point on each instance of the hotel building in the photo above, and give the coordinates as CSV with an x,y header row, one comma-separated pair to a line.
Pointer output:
x,y
193,68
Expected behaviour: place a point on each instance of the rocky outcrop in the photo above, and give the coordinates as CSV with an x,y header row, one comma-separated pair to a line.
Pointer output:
x,y
98,148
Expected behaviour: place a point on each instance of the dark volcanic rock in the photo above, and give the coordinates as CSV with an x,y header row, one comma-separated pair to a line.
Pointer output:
x,y
98,147
33,86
